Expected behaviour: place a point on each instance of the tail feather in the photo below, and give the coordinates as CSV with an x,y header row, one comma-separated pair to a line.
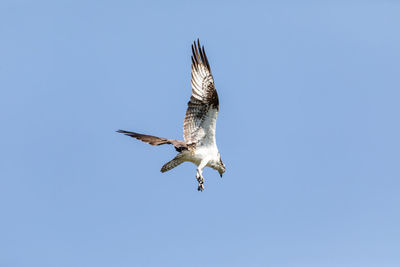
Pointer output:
x,y
172,164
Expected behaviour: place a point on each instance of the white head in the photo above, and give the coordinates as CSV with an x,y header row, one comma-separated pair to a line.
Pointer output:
x,y
220,166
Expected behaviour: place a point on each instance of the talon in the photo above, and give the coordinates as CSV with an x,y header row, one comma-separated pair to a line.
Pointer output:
x,y
200,187
200,180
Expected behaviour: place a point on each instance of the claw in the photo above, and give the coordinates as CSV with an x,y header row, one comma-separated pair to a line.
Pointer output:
x,y
200,180
200,188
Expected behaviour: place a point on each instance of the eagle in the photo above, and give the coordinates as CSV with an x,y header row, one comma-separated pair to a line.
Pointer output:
x,y
199,145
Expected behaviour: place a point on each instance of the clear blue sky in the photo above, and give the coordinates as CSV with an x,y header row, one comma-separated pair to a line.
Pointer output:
x,y
308,129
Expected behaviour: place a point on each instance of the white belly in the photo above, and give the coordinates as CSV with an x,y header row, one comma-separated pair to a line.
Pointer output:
x,y
202,153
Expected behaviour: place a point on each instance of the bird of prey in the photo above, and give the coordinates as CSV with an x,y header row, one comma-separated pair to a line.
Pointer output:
x,y
199,146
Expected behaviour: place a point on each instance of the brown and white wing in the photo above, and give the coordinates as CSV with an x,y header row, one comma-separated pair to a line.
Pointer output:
x,y
156,141
201,114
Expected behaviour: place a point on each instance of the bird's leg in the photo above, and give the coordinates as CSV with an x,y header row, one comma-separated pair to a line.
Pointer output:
x,y
199,175
200,180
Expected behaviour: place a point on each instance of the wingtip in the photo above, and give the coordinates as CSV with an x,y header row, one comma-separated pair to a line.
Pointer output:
x,y
122,132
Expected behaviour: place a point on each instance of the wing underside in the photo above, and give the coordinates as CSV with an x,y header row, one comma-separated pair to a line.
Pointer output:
x,y
202,111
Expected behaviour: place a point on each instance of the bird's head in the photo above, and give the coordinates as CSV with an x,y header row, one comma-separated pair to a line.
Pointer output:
x,y
221,167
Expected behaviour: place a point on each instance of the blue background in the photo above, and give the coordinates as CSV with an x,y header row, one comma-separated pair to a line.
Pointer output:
x,y
308,129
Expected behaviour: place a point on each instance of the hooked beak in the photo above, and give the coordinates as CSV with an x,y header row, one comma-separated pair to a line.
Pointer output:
x,y
220,175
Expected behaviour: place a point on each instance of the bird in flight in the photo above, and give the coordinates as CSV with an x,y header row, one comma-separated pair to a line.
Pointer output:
x,y
199,146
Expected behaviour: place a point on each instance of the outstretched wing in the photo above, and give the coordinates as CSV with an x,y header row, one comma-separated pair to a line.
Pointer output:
x,y
201,114
156,141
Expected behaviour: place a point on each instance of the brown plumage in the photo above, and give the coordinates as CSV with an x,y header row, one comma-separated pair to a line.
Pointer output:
x,y
204,100
199,126
156,141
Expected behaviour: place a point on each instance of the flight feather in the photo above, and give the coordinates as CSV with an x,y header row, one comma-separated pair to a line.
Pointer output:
x,y
202,111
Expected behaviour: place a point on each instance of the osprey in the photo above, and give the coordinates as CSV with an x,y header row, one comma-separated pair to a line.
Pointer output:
x,y
200,146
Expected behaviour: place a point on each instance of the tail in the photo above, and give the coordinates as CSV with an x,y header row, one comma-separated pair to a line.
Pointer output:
x,y
172,164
